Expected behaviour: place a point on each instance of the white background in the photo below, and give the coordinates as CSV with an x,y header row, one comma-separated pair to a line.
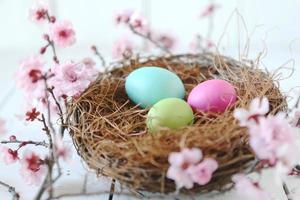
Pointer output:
x,y
271,24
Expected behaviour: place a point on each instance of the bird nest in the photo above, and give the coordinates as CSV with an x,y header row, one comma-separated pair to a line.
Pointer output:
x,y
110,132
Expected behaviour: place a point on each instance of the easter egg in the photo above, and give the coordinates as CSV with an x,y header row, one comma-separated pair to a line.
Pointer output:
x,y
171,113
212,96
148,85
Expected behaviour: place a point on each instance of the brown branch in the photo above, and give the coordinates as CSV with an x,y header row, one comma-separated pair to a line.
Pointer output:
x,y
96,52
47,184
61,115
51,19
23,143
148,38
48,109
11,190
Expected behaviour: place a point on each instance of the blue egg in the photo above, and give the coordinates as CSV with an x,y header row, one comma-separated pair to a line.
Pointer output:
x,y
148,85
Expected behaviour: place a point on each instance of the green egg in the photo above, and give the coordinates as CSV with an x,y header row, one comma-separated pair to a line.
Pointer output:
x,y
170,113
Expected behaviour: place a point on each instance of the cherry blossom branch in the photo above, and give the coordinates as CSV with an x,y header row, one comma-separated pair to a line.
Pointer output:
x,y
51,19
48,109
23,143
50,163
61,115
96,52
11,190
50,44
148,38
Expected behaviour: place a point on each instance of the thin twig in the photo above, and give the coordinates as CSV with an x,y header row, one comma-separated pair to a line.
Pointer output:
x,y
286,191
11,190
112,190
51,43
84,185
148,37
47,184
23,143
97,53
61,115
48,108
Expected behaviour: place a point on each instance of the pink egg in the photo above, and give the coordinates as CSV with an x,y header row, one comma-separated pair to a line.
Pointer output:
x,y
212,96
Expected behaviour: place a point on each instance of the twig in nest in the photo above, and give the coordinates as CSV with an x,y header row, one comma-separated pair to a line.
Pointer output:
x,y
11,190
148,38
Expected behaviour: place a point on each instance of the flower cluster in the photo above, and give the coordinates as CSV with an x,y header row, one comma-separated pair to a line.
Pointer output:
x,y
122,47
273,138
138,25
72,78
132,18
46,89
32,166
188,167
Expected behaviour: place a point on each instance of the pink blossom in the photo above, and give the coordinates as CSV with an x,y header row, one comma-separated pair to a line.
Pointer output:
x,y
62,33
181,177
133,19
249,190
8,156
185,157
89,62
138,21
167,40
186,168
62,150
273,137
210,44
209,10
179,163
32,169
2,127
123,17
121,47
38,12
29,74
258,108
72,78
202,172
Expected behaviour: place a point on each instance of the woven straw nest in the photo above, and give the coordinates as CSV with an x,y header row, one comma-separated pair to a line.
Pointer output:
x,y
111,136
